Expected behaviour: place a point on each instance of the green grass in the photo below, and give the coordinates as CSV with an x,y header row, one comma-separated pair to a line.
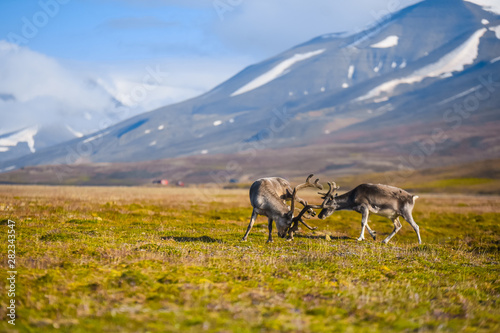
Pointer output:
x,y
149,260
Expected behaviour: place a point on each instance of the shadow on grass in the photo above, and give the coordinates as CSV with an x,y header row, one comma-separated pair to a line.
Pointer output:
x,y
322,237
203,239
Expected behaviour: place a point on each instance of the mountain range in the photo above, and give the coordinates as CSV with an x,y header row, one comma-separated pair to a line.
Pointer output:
x,y
418,88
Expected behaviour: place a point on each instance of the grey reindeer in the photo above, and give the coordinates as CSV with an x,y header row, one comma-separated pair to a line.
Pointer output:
x,y
383,200
268,197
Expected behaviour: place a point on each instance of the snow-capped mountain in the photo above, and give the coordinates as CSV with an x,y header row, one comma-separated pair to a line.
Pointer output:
x,y
393,84
31,139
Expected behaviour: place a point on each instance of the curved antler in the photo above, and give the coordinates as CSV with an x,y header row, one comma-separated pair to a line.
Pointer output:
x,y
298,218
332,187
292,205
308,227
309,184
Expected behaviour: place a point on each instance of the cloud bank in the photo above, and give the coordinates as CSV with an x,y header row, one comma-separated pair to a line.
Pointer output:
x,y
39,90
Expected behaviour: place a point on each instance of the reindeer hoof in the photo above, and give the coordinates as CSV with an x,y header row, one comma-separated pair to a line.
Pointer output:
x,y
360,239
243,239
374,236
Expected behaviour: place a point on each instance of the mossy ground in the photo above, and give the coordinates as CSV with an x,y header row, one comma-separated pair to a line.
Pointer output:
x,y
162,260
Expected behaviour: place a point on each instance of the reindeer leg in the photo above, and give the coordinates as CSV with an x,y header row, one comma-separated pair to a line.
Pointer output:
x,y
372,232
270,227
293,229
409,218
250,225
364,222
397,227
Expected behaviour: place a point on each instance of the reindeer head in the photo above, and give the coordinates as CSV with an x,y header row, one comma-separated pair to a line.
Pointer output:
x,y
283,223
328,206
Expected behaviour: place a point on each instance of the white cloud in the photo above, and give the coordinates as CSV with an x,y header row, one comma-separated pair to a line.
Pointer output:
x,y
44,91
85,95
184,78
29,75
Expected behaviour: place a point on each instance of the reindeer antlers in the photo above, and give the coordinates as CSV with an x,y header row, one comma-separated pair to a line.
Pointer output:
x,y
309,184
333,187
299,218
292,206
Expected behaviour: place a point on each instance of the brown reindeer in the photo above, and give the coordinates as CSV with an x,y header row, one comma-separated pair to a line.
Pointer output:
x,y
268,197
383,200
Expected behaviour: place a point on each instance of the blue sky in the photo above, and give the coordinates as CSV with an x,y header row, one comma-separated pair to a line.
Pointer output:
x,y
110,30
114,30
62,45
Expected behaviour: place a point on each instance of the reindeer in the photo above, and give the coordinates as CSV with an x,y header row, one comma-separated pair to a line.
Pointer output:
x,y
268,197
383,200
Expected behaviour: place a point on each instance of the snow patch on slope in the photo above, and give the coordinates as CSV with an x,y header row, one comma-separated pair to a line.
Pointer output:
x,y
496,30
25,135
488,5
454,61
95,137
12,167
378,67
387,42
350,72
74,132
275,72
460,95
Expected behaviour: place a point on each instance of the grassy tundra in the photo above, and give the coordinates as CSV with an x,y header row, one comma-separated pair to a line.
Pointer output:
x,y
160,260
